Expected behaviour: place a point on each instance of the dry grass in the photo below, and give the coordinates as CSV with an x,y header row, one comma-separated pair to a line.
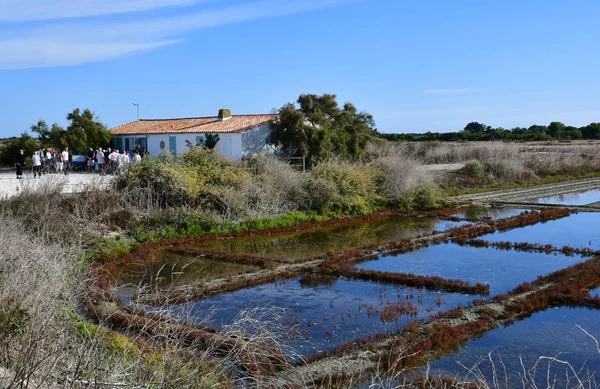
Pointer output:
x,y
401,175
503,162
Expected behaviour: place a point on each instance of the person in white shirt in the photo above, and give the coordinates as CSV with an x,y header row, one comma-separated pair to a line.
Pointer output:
x,y
65,157
37,165
100,160
137,158
123,161
113,161
114,156
59,162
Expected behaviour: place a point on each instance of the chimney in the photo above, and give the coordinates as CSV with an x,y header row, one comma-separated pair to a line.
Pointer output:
x,y
224,114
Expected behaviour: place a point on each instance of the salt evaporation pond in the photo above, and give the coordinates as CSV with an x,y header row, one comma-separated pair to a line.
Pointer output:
x,y
474,214
577,230
502,270
309,244
168,269
325,312
546,333
580,198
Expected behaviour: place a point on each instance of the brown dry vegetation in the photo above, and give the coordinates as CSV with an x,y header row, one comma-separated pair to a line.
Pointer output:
x,y
501,161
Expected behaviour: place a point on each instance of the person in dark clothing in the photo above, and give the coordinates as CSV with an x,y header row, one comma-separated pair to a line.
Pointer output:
x,y
91,160
19,163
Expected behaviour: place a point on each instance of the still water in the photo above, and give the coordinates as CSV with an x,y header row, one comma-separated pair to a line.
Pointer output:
x,y
502,270
324,312
549,333
578,231
580,198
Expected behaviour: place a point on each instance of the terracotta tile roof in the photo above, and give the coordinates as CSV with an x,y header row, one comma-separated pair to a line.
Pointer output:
x,y
237,123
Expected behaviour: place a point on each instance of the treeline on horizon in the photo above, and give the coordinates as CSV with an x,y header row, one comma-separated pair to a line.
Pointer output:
x,y
475,131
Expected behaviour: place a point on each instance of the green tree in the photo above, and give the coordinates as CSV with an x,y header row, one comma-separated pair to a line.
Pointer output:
x,y
54,137
210,141
83,132
317,127
571,132
591,131
207,142
26,143
477,128
41,128
556,130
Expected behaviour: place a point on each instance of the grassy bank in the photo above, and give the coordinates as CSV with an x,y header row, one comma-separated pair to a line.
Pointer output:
x,y
49,240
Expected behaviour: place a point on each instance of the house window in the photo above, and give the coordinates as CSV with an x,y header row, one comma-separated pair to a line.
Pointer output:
x,y
119,143
199,140
173,145
139,144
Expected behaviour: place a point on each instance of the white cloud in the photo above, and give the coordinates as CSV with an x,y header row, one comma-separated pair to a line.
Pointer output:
x,y
48,53
446,91
19,10
84,41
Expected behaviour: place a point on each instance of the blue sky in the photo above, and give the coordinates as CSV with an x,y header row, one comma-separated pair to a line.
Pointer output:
x,y
415,65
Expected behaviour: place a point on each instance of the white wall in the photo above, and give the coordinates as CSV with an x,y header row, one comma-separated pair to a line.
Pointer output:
x,y
235,146
229,145
254,141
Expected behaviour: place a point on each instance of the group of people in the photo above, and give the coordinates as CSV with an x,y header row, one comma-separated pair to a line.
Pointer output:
x,y
102,161
110,161
42,159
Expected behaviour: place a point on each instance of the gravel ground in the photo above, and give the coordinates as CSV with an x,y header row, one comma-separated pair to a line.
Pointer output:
x,y
72,183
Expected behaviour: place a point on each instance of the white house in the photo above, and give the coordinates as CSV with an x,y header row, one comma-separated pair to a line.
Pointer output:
x,y
240,136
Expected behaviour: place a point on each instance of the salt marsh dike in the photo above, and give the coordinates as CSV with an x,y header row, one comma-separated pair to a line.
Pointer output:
x,y
381,299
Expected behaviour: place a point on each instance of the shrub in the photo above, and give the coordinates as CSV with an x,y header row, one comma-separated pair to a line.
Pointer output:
x,y
152,183
400,175
507,169
352,188
422,197
473,169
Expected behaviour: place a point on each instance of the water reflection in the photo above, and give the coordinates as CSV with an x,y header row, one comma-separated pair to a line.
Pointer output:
x,y
294,247
324,311
580,198
502,270
475,214
578,231
549,333
168,269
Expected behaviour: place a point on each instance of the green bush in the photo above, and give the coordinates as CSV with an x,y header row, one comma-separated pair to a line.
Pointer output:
x,y
473,169
349,188
420,198
154,180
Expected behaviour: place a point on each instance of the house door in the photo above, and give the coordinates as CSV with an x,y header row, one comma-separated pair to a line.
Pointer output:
x,y
139,144
173,145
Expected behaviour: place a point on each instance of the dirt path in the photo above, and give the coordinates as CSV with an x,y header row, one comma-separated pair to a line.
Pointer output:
x,y
72,183
444,167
